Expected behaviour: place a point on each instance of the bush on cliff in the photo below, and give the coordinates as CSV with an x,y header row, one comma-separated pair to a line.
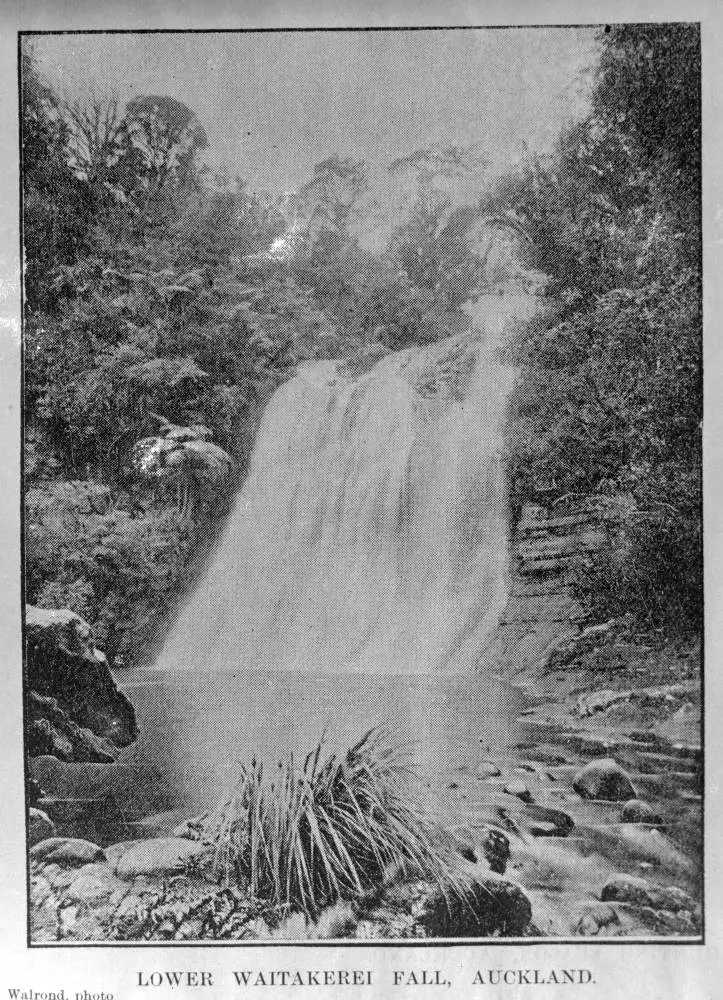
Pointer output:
x,y
608,407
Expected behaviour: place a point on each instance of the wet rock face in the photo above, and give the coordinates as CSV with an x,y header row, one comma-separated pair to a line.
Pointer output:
x,y
603,779
74,709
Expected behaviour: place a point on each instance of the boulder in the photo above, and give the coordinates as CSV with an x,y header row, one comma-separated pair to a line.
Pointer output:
x,y
40,826
66,852
492,907
75,710
486,769
93,883
494,845
114,852
51,732
603,779
160,856
519,789
543,822
598,919
637,811
640,892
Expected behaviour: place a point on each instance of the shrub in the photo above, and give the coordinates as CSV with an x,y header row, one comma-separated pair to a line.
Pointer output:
x,y
117,568
307,836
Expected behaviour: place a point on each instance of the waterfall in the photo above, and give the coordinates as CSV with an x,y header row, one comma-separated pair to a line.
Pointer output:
x,y
371,532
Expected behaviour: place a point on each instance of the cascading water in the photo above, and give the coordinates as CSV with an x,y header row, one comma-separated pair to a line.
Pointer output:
x,y
371,533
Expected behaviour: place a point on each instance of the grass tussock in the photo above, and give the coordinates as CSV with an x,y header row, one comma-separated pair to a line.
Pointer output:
x,y
306,836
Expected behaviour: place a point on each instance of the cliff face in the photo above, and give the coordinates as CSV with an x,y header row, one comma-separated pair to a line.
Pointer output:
x,y
74,710
547,546
582,672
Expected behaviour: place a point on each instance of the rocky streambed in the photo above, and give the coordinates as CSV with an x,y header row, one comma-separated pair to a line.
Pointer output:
x,y
571,833
587,823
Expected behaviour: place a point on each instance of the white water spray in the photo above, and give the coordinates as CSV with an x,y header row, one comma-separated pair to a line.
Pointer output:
x,y
371,533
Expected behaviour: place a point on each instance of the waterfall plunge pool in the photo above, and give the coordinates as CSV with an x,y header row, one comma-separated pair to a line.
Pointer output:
x,y
195,729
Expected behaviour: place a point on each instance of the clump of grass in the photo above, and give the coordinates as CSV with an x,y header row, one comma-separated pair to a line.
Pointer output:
x,y
306,836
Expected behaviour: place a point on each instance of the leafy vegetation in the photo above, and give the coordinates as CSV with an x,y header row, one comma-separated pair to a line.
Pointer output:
x,y
305,836
163,305
609,405
158,320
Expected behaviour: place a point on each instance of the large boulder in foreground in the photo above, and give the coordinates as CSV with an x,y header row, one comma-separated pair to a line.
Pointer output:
x,y
74,709
604,779
492,907
66,851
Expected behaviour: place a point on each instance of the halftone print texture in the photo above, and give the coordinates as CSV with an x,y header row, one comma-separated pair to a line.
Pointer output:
x,y
363,485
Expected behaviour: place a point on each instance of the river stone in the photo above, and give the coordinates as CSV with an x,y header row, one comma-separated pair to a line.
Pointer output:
x,y
161,856
600,918
116,851
494,907
541,821
40,826
486,769
603,779
540,828
66,852
59,878
495,846
638,891
93,883
637,811
519,789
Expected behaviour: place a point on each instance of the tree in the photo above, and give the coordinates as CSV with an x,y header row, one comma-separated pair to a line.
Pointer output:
x,y
432,244
56,205
439,166
609,401
165,140
648,85
183,455
97,138
330,199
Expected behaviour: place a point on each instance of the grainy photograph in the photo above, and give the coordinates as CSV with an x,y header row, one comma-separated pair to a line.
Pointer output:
x,y
362,523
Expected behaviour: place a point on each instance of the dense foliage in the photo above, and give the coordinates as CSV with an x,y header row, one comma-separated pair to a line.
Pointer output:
x,y
160,315
609,406
157,323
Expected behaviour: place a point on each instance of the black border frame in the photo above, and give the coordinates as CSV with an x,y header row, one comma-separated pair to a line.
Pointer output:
x,y
398,943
